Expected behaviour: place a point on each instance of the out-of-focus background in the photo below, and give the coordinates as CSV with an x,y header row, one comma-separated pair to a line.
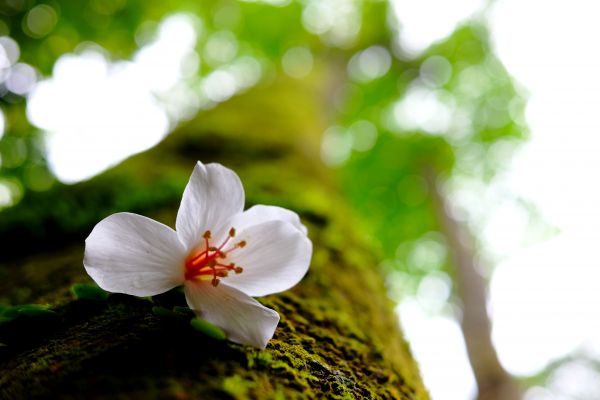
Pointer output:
x,y
466,133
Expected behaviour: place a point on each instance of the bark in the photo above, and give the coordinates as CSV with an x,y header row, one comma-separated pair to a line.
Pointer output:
x,y
493,382
338,336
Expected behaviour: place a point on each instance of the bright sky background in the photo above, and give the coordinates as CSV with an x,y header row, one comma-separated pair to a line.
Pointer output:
x,y
544,296
82,141
141,99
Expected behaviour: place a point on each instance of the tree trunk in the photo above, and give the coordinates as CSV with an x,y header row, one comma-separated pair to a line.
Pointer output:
x,y
493,382
338,336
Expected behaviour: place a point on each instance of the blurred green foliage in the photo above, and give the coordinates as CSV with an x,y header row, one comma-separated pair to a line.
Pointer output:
x,y
46,30
388,182
381,156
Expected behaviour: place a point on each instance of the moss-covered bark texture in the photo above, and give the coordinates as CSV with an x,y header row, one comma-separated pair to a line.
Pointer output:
x,y
338,336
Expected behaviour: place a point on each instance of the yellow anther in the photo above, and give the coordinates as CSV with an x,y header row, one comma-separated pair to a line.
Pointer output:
x,y
242,243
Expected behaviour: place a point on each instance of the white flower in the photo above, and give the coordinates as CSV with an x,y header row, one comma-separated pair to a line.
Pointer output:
x,y
221,254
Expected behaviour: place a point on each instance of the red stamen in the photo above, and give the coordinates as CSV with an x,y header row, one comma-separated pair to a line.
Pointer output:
x,y
206,263
206,237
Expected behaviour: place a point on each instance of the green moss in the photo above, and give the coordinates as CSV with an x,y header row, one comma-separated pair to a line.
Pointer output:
x,y
237,386
259,358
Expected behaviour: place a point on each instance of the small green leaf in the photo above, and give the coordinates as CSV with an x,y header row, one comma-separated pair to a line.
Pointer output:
x,y
27,310
163,312
85,291
10,312
208,329
35,311
184,310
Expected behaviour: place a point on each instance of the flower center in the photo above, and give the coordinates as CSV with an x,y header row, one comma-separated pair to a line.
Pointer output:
x,y
209,263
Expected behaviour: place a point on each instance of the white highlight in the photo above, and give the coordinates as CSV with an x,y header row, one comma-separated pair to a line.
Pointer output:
x,y
21,79
6,195
545,297
221,47
336,21
423,109
219,86
424,22
542,301
335,146
9,52
437,344
97,113
370,64
435,71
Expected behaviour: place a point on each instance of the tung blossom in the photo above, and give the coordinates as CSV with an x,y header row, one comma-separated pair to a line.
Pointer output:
x,y
221,254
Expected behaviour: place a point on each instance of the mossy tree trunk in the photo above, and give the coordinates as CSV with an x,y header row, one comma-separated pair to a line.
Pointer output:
x,y
338,336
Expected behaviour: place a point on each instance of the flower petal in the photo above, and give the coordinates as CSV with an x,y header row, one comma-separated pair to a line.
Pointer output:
x,y
131,254
275,258
213,195
243,319
260,213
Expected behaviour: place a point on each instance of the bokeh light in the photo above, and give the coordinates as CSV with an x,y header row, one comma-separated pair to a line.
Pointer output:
x,y
297,62
9,52
95,114
40,21
423,23
423,109
369,64
335,146
21,79
336,21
